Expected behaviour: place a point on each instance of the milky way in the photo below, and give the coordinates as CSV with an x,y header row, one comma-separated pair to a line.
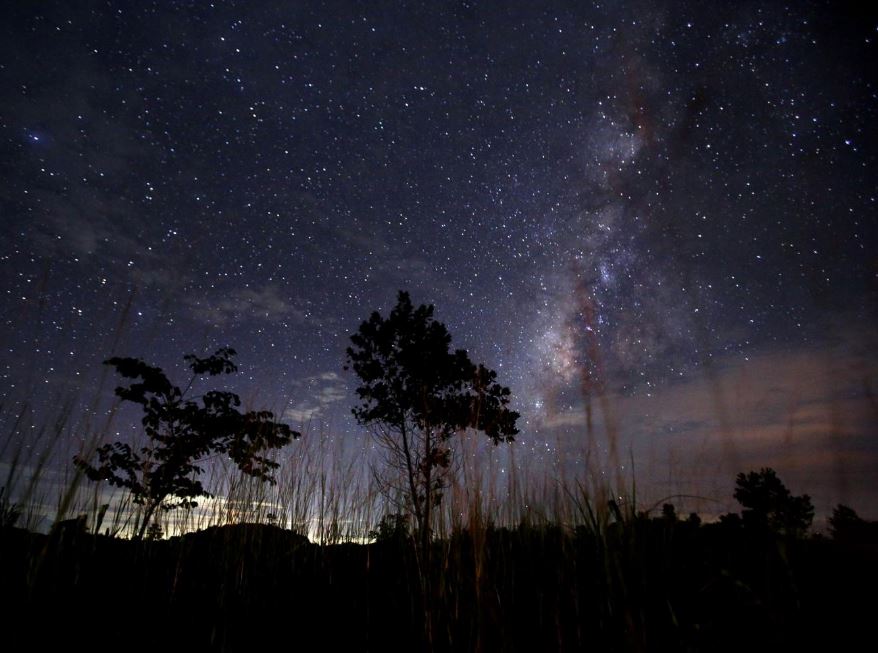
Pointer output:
x,y
620,201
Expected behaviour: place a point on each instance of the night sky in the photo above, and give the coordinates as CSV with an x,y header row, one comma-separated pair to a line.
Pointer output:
x,y
664,210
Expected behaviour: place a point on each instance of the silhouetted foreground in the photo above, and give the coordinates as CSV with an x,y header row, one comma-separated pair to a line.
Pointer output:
x,y
647,584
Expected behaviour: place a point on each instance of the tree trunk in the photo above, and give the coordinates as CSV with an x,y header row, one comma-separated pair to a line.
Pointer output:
x,y
426,558
412,478
428,494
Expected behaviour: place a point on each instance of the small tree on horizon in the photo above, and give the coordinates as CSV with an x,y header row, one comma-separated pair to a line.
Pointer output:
x,y
182,432
415,393
769,504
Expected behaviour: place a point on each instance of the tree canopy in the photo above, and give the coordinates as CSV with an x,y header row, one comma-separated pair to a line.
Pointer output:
x,y
182,431
416,392
769,504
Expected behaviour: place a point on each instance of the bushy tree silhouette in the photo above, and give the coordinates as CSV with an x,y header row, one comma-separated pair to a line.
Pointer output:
x,y
844,522
845,525
768,504
415,392
182,431
393,527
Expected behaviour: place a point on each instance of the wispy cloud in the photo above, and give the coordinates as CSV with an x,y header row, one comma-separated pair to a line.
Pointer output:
x,y
805,412
318,393
302,413
266,303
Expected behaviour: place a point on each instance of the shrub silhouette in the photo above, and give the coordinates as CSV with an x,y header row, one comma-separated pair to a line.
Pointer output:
x,y
182,432
9,512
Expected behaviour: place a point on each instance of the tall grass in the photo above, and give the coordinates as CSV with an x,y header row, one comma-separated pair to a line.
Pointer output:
x,y
324,489
568,551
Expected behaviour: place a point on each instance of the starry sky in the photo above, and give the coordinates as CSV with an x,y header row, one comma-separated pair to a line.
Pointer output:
x,y
659,217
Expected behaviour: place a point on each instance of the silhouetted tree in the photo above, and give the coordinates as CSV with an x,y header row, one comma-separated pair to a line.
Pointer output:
x,y
182,432
416,393
844,522
393,527
846,525
731,521
768,504
154,532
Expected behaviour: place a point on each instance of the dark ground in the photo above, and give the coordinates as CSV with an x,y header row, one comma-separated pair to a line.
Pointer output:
x,y
650,585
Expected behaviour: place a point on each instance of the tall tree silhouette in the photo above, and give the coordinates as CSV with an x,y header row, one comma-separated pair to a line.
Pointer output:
x,y
415,393
182,432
